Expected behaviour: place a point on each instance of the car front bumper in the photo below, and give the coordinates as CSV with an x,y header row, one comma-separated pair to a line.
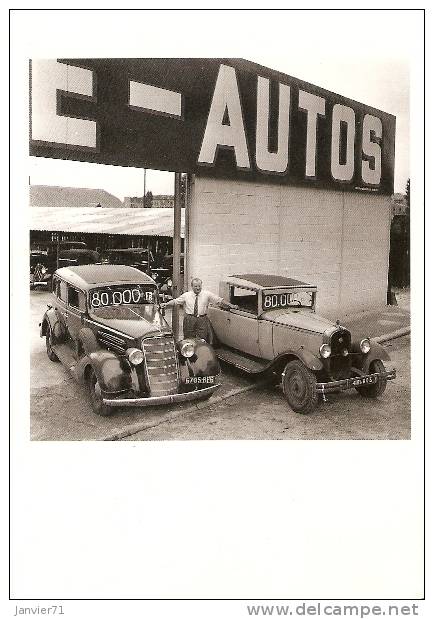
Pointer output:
x,y
189,396
356,381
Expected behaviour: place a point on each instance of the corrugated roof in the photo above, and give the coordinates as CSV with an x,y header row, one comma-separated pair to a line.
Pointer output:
x,y
131,221
76,197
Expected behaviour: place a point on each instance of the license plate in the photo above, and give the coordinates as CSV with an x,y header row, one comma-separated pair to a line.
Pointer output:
x,y
200,380
366,380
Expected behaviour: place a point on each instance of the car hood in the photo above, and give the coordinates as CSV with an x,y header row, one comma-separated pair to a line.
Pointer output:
x,y
137,329
301,319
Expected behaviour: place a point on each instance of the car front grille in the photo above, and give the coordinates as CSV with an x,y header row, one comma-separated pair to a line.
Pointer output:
x,y
161,365
340,363
111,341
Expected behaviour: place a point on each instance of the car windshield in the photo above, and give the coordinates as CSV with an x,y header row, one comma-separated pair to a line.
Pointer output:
x,y
281,299
122,300
127,312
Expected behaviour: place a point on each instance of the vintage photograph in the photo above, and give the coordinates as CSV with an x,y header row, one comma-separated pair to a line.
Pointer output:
x,y
217,323
218,250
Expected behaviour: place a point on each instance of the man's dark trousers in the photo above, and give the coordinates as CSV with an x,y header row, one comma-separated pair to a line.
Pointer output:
x,y
197,326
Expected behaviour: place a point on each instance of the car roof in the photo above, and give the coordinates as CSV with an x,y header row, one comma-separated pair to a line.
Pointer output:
x,y
88,275
129,250
64,243
78,251
262,281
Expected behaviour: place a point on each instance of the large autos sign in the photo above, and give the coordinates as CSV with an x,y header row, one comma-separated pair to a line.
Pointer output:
x,y
225,118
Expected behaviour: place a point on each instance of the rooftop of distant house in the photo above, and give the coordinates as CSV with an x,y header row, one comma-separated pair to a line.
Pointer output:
x,y
54,196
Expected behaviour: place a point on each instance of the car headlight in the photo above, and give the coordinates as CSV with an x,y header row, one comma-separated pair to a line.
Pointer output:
x,y
187,348
135,356
44,270
169,283
365,345
153,275
325,351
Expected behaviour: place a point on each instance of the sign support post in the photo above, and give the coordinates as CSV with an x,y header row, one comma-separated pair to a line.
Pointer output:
x,y
176,252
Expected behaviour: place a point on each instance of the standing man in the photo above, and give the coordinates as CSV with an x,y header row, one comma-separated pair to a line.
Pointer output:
x,y
196,302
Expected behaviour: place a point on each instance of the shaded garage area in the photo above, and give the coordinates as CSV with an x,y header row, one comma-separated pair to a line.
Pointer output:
x,y
105,228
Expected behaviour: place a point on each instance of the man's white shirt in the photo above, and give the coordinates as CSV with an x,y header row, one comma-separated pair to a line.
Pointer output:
x,y
204,299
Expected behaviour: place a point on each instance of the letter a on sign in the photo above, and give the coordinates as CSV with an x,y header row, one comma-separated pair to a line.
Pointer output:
x,y
226,98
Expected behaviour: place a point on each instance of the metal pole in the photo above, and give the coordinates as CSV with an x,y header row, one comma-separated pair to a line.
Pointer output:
x,y
187,208
176,252
58,249
144,188
149,257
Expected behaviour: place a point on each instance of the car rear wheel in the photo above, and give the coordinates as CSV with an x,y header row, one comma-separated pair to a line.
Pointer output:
x,y
378,388
49,344
299,387
95,396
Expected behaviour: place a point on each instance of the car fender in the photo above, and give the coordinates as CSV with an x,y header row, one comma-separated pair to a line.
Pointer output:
x,y
377,352
51,318
310,360
204,362
113,372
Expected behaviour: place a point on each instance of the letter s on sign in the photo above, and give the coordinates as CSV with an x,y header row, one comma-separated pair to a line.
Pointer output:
x,y
48,77
372,150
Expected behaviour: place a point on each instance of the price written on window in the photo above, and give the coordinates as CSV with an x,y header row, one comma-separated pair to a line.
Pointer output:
x,y
120,295
282,300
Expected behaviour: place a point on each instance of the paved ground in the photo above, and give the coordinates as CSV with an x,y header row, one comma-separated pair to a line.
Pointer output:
x,y
60,410
264,414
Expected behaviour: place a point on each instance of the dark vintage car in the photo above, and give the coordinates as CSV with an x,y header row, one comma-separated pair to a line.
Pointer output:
x,y
143,260
106,326
44,259
166,277
275,331
136,257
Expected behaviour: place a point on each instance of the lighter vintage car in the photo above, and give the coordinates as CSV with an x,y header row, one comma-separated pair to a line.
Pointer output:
x,y
106,326
275,331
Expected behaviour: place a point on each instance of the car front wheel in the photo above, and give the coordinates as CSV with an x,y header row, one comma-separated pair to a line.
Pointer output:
x,y
95,396
49,344
378,388
299,387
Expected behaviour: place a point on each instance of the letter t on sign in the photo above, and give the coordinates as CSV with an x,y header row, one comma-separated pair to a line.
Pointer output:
x,y
314,106
48,77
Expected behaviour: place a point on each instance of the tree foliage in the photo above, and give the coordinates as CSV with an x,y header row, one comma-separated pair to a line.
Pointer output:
x,y
148,199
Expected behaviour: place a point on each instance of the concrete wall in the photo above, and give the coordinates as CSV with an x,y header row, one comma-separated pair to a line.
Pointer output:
x,y
338,240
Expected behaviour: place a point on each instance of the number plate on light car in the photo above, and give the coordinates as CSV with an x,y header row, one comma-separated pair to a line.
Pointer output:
x,y
366,380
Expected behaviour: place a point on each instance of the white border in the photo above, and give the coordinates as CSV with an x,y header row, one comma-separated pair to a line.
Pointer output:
x,y
229,519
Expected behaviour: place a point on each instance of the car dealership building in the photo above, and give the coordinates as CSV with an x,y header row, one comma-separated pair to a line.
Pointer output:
x,y
283,177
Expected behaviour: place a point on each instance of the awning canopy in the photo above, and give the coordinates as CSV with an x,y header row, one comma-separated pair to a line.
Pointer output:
x,y
122,221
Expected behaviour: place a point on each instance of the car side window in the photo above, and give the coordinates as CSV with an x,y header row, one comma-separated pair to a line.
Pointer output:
x,y
62,291
245,299
76,298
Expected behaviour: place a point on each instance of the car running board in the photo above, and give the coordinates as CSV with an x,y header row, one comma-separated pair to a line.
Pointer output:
x,y
252,366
